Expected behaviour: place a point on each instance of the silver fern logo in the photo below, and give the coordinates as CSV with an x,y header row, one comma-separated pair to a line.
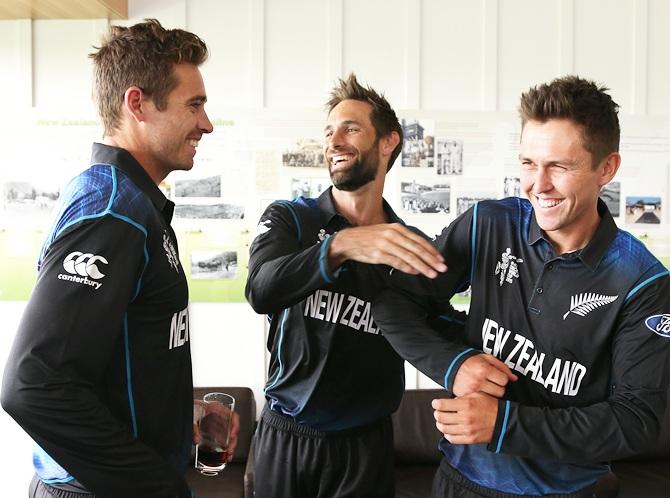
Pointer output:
x,y
582,304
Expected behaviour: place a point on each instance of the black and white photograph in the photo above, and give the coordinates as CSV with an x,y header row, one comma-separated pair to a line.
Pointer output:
x,y
643,210
611,195
307,153
466,201
449,156
198,187
219,211
512,186
28,198
420,198
213,265
418,150
308,187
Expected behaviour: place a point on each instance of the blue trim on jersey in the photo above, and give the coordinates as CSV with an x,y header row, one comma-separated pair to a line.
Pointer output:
x,y
98,215
127,220
281,366
323,268
129,380
47,469
146,251
648,281
473,243
107,210
450,319
58,481
451,365
295,218
114,188
503,430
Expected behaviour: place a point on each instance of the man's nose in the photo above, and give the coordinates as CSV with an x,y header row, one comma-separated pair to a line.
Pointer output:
x,y
205,125
542,180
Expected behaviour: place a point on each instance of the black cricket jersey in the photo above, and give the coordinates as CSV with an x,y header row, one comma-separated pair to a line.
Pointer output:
x,y
100,371
330,367
587,333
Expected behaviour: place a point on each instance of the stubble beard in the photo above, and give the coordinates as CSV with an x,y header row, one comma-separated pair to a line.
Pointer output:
x,y
360,173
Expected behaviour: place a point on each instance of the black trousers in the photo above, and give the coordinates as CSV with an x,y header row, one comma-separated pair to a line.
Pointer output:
x,y
449,483
40,490
295,461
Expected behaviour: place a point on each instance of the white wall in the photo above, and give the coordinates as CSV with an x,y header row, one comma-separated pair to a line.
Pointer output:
x,y
276,58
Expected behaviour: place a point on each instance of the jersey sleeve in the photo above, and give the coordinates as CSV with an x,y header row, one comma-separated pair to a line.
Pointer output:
x,y
72,328
408,311
629,421
283,270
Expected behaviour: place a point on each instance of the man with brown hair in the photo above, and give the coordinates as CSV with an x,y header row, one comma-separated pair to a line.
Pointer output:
x,y
565,363
100,371
314,268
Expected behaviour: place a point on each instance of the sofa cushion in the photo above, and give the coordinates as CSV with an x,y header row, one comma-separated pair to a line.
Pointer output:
x,y
228,484
643,478
414,481
414,431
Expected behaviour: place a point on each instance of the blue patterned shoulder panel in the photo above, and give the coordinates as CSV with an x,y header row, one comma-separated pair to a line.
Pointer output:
x,y
100,190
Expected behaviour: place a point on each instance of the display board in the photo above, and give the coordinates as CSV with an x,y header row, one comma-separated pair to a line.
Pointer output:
x,y
449,161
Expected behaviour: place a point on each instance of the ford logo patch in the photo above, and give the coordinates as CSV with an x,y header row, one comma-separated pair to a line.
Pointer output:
x,y
659,324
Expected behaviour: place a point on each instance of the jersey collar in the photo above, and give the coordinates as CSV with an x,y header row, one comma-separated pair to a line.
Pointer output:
x,y
122,159
325,203
594,251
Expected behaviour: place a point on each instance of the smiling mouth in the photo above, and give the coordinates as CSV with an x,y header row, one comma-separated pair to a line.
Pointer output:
x,y
548,203
193,142
341,159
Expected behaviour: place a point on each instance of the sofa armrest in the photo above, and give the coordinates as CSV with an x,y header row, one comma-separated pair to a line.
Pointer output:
x,y
415,436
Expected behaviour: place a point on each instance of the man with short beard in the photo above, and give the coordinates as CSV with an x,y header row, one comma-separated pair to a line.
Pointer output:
x,y
314,268
100,371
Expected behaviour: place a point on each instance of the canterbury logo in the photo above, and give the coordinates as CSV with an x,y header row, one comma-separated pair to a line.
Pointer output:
x,y
584,303
84,264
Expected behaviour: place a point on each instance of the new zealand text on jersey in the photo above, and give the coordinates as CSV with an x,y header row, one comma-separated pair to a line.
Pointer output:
x,y
564,377
339,308
179,329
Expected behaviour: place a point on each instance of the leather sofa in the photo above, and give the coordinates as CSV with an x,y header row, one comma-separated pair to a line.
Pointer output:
x,y
647,475
417,458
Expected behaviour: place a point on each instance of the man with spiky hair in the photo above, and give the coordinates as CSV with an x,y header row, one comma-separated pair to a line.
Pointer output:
x,y
577,309
314,268
100,372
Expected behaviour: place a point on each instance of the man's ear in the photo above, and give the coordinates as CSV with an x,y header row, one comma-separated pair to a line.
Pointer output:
x,y
389,142
610,166
134,102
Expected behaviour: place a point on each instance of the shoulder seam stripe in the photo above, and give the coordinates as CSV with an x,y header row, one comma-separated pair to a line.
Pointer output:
x,y
646,282
295,218
108,210
473,243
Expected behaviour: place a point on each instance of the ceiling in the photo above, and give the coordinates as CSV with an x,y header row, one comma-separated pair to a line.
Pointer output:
x,y
63,9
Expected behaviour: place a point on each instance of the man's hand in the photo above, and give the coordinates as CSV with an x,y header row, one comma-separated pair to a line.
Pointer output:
x,y
388,244
484,373
213,420
466,420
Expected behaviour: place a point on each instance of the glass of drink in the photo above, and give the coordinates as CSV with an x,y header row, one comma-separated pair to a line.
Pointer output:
x,y
214,420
